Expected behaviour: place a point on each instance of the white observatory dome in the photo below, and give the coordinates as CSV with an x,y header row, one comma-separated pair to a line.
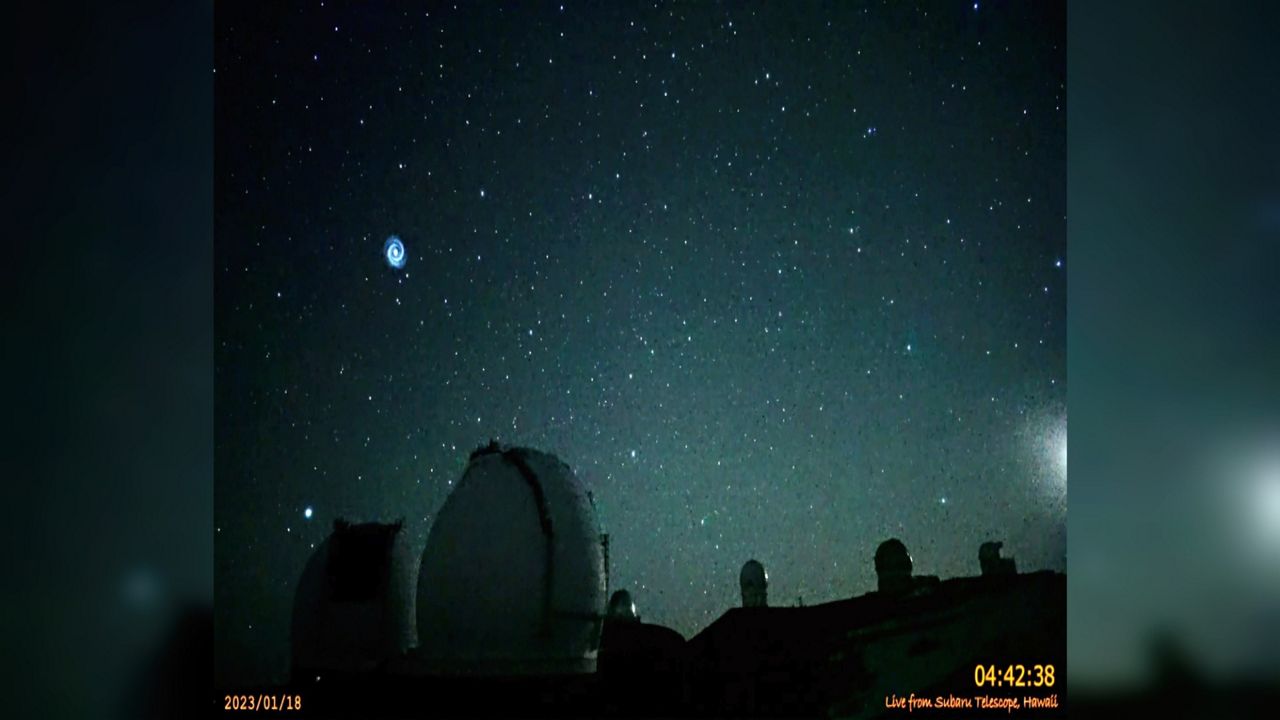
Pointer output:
x,y
353,609
512,579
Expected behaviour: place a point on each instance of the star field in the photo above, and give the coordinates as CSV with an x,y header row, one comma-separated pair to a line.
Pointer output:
x,y
778,281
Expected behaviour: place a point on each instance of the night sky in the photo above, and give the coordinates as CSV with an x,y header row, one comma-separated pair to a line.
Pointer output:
x,y
777,280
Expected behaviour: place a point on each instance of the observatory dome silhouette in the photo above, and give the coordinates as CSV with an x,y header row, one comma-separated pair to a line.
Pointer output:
x,y
512,579
754,582
353,610
622,607
893,567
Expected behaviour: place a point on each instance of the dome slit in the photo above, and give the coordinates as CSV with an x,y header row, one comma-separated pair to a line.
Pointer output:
x,y
544,518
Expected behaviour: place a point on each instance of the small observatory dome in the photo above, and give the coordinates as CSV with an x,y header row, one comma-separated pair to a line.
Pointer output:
x,y
512,579
622,607
354,605
754,582
991,563
893,567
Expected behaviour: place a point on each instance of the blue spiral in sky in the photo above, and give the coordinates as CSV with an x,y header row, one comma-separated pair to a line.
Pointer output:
x,y
393,251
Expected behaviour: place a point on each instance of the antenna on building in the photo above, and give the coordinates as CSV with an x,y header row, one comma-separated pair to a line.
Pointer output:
x,y
604,545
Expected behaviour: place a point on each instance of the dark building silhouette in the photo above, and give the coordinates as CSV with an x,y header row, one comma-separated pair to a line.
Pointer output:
x,y
991,563
641,665
844,658
506,616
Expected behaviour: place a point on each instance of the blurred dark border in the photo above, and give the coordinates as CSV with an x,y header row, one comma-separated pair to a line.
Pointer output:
x,y
108,344
1174,216
1174,358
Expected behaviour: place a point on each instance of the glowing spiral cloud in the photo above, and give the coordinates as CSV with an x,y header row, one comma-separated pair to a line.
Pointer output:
x,y
393,251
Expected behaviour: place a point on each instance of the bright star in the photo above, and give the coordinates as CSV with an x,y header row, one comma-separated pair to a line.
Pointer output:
x,y
307,513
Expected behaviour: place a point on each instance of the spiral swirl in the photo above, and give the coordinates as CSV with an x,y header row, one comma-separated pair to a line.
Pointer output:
x,y
393,251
